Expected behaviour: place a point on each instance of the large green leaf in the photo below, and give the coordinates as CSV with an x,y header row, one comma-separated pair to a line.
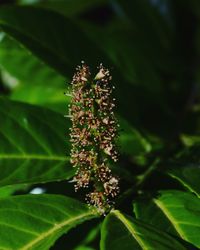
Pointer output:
x,y
51,36
175,212
37,221
33,144
123,232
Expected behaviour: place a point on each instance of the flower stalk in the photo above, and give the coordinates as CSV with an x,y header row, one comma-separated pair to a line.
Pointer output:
x,y
93,134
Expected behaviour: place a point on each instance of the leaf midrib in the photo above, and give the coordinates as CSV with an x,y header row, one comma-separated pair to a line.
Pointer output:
x,y
170,217
53,230
130,228
184,183
34,157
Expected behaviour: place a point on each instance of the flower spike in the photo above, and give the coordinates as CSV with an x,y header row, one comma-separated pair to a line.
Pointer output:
x,y
93,134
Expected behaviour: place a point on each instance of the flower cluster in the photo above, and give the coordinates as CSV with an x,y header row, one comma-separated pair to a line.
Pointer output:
x,y
93,133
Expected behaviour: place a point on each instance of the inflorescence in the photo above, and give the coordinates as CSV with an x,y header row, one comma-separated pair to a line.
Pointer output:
x,y
93,134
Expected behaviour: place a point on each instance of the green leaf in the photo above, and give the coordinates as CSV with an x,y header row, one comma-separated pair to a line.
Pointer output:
x,y
188,176
185,168
33,144
27,68
121,231
36,221
175,212
10,190
52,37
51,97
190,140
33,74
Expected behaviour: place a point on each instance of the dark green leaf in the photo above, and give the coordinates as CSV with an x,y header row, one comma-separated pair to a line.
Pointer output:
x,y
175,212
185,168
121,231
188,176
52,37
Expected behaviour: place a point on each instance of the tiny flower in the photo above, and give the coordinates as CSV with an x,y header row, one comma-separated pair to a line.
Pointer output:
x,y
82,179
111,187
101,74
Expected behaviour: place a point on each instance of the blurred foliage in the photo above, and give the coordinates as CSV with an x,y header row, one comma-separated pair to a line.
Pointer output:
x,y
153,49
